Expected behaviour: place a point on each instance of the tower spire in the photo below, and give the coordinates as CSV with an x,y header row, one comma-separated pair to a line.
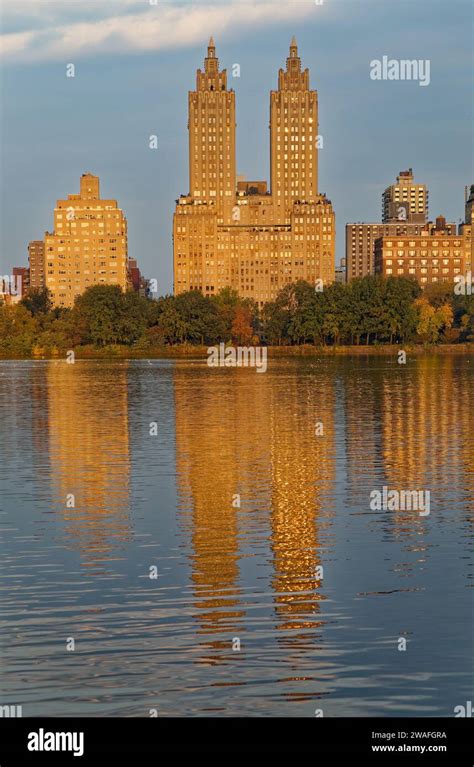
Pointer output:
x,y
211,62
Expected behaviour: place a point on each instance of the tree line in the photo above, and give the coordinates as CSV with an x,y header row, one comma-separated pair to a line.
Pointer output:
x,y
370,310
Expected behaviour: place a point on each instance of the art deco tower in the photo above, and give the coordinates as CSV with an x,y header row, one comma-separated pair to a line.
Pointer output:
x,y
293,135
229,233
212,174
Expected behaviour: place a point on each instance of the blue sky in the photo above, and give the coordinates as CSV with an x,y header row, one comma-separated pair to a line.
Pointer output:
x,y
135,63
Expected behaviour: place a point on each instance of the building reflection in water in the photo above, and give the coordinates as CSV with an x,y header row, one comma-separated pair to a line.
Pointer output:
x,y
89,456
423,416
208,425
302,481
253,435
406,429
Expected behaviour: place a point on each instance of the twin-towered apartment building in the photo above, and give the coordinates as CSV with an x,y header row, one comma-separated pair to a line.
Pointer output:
x,y
233,233
229,232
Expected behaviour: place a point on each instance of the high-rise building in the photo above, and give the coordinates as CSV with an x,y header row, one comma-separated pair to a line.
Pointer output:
x,y
212,157
341,272
293,137
405,200
21,276
88,245
134,274
404,212
467,228
36,261
230,232
469,217
438,254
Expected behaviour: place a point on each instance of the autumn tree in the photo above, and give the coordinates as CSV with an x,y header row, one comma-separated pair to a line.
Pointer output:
x,y
242,330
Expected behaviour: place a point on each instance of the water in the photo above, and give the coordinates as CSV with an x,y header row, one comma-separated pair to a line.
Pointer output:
x,y
78,568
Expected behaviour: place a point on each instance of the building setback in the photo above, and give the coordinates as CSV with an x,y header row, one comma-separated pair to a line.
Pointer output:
x,y
88,246
230,233
405,200
404,212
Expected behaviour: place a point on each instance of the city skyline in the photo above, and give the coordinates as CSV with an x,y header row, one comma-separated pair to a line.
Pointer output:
x,y
236,376
147,182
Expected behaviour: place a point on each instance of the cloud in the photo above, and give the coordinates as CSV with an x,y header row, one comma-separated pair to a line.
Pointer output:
x,y
107,26
57,8
15,44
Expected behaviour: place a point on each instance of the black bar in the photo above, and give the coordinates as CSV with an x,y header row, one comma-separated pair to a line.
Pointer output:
x,y
134,740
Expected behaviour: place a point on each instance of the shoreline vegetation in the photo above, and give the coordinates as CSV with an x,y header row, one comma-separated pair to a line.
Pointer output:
x,y
193,352
370,315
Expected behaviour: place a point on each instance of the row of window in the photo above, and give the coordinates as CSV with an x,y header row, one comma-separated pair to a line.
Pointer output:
x,y
433,243
423,271
425,262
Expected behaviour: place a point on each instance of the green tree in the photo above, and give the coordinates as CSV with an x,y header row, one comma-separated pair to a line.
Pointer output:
x,y
99,315
274,320
18,330
38,301
399,317
171,325
200,316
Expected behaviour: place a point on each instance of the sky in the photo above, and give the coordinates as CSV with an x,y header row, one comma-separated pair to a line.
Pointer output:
x,y
136,60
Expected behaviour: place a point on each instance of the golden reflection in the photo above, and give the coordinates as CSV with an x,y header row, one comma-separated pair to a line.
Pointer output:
x,y
207,437
419,413
253,435
302,475
424,414
89,455
406,428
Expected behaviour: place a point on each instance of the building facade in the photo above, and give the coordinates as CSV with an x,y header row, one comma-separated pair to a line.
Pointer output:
x,y
467,228
341,272
404,212
21,276
231,233
361,239
36,261
437,254
405,200
88,246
